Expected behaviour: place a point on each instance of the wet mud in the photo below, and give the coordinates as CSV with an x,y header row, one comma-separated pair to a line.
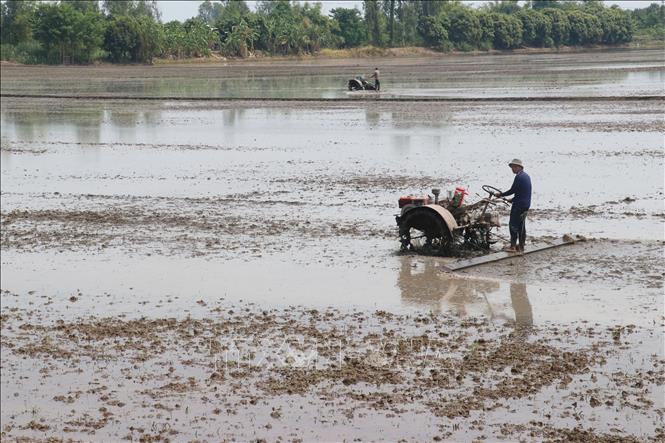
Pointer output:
x,y
244,372
230,270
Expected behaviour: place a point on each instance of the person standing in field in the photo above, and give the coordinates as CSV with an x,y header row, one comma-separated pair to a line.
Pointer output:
x,y
520,205
377,83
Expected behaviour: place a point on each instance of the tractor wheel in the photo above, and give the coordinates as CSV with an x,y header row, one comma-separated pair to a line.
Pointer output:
x,y
355,85
424,231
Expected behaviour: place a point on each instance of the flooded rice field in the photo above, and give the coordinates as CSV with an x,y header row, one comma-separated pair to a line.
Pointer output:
x,y
186,270
593,73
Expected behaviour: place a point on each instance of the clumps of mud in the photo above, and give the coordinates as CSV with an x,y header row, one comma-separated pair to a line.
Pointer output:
x,y
13,147
173,226
241,372
367,182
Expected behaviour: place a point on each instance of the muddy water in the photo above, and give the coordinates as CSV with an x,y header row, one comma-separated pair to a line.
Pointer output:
x,y
356,160
418,284
235,212
297,202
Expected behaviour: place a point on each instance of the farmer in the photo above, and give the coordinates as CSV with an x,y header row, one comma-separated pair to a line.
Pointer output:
x,y
377,83
521,203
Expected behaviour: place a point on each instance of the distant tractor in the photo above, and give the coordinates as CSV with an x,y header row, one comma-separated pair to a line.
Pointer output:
x,y
360,84
448,226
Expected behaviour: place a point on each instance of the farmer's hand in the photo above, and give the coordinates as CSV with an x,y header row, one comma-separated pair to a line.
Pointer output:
x,y
497,194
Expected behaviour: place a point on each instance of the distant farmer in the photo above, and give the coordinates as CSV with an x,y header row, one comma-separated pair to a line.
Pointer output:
x,y
521,203
377,83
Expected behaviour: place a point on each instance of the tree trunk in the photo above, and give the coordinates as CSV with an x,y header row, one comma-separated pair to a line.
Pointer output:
x,y
392,23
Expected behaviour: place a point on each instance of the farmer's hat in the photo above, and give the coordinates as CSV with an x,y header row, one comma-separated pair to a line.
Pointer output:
x,y
517,162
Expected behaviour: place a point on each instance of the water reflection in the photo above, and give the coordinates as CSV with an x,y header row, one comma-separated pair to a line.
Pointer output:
x,y
231,116
521,305
372,118
80,124
423,284
435,118
39,122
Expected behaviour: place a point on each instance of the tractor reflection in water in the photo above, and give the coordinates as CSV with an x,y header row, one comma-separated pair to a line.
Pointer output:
x,y
448,227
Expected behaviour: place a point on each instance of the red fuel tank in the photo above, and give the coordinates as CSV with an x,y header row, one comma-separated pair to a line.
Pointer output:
x,y
458,196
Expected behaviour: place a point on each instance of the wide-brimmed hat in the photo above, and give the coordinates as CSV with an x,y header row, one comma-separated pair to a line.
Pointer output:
x,y
516,161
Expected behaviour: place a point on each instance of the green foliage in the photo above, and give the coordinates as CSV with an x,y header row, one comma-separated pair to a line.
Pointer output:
x,y
125,31
120,38
464,32
241,39
487,25
374,22
209,12
28,52
434,32
544,4
67,34
229,16
560,26
350,28
291,28
320,30
133,39
505,6
430,8
536,28
649,21
585,29
16,20
133,8
651,16
388,8
194,38
83,5
617,26
406,24
507,31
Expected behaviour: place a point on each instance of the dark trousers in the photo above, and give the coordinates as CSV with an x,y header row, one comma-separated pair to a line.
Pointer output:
x,y
377,84
517,225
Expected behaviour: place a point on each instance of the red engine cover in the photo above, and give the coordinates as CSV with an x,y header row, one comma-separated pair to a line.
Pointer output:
x,y
413,200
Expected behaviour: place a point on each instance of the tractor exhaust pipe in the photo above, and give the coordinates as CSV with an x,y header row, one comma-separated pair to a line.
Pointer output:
x,y
436,192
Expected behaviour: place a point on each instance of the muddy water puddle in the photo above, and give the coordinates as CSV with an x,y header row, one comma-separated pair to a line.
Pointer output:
x,y
158,286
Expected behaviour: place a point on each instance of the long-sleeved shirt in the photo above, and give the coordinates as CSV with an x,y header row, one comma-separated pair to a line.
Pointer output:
x,y
522,189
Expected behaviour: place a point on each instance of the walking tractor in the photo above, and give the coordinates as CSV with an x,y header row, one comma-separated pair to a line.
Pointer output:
x,y
359,83
448,226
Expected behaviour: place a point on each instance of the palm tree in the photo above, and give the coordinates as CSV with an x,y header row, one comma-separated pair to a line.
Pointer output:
x,y
240,38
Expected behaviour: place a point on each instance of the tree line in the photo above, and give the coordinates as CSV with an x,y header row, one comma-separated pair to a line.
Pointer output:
x,y
83,31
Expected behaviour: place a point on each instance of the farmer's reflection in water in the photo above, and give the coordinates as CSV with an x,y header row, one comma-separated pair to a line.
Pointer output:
x,y
424,285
